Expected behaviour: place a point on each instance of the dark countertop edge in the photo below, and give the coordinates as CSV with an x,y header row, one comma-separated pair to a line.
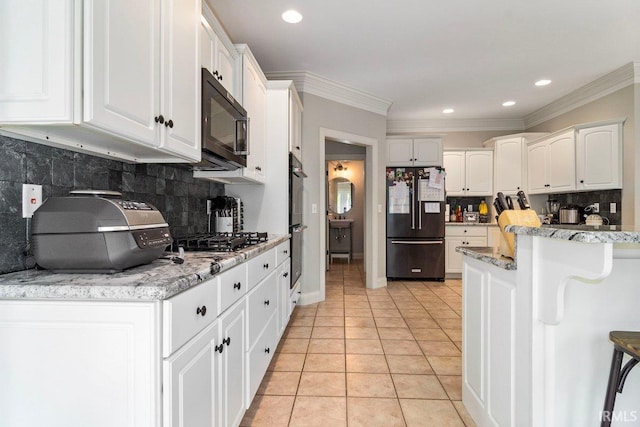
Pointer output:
x,y
488,255
133,292
581,233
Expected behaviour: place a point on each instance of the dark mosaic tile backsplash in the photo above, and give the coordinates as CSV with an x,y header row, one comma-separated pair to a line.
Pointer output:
x,y
604,197
173,190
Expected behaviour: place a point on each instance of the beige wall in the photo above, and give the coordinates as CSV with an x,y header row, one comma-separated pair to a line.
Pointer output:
x,y
471,139
323,113
620,104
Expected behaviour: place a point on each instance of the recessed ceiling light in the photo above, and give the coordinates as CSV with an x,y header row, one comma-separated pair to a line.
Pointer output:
x,y
448,110
543,82
292,16
508,103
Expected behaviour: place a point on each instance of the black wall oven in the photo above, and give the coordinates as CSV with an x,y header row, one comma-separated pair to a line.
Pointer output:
x,y
225,127
296,175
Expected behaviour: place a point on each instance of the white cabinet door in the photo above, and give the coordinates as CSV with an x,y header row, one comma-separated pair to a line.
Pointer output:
x,y
537,164
474,334
181,83
122,78
214,55
37,76
400,152
598,158
295,125
190,382
479,173
427,152
508,175
225,65
453,259
562,162
283,299
233,364
454,164
255,101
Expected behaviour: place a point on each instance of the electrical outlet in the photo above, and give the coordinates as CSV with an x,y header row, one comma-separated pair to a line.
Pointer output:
x,y
596,208
613,208
469,208
31,199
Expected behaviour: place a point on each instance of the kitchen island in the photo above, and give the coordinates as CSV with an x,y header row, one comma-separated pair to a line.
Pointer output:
x,y
156,345
535,328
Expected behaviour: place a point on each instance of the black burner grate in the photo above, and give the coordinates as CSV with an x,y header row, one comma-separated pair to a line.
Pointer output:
x,y
222,242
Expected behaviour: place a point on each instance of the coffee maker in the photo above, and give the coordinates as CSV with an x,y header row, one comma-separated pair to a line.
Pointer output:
x,y
553,209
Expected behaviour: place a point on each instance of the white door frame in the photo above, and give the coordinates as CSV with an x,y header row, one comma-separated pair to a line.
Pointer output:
x,y
371,242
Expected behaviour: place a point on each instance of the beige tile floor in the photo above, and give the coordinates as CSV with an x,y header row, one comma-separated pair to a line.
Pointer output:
x,y
385,357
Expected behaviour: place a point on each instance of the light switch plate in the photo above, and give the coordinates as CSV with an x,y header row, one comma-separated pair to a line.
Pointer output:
x,y
31,199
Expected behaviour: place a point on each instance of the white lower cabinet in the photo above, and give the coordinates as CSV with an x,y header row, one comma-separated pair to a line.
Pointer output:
x,y
459,235
190,382
195,359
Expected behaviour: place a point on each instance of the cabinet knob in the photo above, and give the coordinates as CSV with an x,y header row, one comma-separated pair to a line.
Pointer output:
x,y
258,168
220,78
582,181
159,119
215,73
267,350
219,348
285,252
227,341
297,147
266,302
237,285
169,124
265,266
285,275
202,311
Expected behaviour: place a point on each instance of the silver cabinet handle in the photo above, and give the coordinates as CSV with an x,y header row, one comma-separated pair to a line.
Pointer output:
x,y
419,207
413,210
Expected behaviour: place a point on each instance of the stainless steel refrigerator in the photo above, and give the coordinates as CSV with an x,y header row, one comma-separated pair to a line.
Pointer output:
x,y
415,223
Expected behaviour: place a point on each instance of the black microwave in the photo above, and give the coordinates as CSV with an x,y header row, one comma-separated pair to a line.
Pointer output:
x,y
225,128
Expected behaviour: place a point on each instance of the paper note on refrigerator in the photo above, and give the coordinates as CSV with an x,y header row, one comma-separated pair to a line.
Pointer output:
x,y
399,198
428,193
436,178
431,207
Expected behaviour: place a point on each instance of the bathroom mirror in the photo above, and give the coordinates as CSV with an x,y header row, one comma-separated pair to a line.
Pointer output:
x,y
340,195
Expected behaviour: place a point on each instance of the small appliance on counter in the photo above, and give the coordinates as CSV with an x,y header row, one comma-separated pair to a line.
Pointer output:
x,y
570,214
93,231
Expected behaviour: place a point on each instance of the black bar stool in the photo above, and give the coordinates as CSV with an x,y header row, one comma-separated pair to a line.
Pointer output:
x,y
623,342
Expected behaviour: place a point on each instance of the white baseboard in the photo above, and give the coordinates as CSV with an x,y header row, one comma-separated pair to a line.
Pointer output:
x,y
381,283
307,298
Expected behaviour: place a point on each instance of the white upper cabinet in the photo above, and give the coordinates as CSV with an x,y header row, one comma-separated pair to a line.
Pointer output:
x,y
551,164
599,157
124,77
254,93
414,152
148,91
469,173
37,57
295,124
216,56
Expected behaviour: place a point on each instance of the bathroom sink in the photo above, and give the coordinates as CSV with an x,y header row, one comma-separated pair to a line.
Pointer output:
x,y
340,223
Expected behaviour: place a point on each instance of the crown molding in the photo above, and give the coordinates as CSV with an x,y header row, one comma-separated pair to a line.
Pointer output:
x,y
404,127
319,86
620,78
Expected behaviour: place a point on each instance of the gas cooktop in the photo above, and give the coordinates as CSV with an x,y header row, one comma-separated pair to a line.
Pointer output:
x,y
222,242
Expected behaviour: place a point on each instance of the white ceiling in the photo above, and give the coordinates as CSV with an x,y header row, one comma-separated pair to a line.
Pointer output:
x,y
425,55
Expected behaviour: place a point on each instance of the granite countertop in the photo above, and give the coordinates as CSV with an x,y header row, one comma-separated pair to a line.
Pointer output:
x,y
488,255
151,282
582,233
473,224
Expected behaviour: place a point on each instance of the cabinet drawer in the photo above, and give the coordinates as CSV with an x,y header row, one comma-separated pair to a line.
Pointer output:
x,y
260,266
186,314
262,302
260,356
462,231
282,252
231,286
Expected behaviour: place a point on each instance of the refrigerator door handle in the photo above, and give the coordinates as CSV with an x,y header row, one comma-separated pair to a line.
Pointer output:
x,y
413,208
417,242
419,206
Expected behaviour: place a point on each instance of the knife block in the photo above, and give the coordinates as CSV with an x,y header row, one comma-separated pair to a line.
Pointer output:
x,y
526,217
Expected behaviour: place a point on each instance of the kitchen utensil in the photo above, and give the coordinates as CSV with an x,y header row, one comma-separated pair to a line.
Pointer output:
x,y
570,214
522,201
509,202
503,201
496,204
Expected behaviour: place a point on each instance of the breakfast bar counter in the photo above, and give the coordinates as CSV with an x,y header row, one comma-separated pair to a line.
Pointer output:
x,y
535,328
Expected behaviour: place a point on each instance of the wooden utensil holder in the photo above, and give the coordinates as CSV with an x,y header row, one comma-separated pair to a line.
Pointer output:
x,y
527,218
